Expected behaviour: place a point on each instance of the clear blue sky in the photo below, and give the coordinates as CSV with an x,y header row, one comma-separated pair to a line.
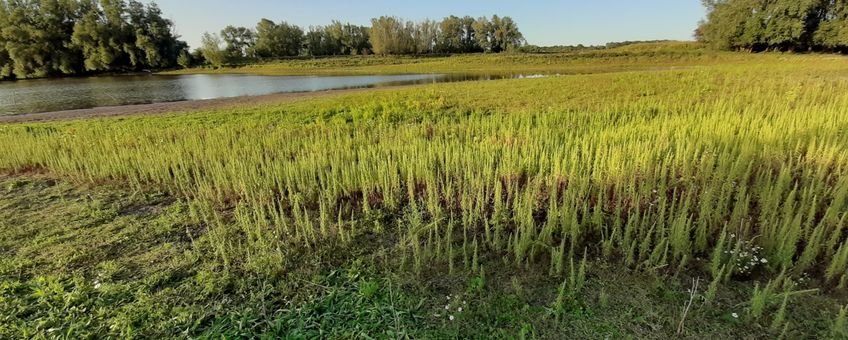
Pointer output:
x,y
565,22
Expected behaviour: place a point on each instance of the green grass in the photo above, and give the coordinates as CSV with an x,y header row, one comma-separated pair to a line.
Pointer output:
x,y
134,274
632,57
579,205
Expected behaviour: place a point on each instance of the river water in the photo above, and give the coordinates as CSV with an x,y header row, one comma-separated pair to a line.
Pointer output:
x,y
46,95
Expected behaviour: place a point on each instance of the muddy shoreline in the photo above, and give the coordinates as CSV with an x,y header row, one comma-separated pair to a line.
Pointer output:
x,y
178,107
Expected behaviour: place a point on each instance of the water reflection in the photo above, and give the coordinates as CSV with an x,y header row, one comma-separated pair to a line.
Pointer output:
x,y
46,95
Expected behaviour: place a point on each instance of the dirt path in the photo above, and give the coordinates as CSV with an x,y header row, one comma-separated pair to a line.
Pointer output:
x,y
172,107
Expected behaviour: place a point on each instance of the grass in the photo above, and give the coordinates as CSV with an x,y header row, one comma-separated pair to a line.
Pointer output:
x,y
579,205
632,57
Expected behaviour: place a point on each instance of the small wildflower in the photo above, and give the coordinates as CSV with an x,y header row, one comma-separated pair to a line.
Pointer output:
x,y
447,307
459,310
734,315
763,260
451,318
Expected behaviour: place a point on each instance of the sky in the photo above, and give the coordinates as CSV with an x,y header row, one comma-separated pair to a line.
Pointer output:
x,y
544,23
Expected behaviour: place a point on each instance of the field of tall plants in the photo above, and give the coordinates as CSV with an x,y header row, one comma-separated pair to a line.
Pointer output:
x,y
729,173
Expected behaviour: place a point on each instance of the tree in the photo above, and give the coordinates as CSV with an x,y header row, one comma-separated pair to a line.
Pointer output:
x,y
504,34
468,40
184,60
98,36
484,33
197,57
239,41
732,24
426,34
833,31
358,39
458,35
278,40
337,39
391,35
156,44
210,48
5,60
450,35
52,37
790,24
35,34
786,25
117,35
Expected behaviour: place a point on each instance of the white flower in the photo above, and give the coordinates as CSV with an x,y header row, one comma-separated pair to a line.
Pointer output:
x,y
447,307
459,310
97,286
451,318
763,260
734,315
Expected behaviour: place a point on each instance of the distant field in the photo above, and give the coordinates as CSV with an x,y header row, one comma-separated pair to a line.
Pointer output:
x,y
592,205
633,57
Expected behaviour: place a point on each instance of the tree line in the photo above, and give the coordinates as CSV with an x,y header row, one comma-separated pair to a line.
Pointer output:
x,y
40,38
785,25
386,35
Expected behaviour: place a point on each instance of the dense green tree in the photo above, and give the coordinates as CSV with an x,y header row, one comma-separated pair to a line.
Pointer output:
x,y
99,35
391,35
350,38
790,24
833,31
52,37
278,40
197,57
185,60
337,39
450,35
5,61
35,34
483,33
504,34
426,34
786,25
239,41
468,41
212,51
157,46
317,42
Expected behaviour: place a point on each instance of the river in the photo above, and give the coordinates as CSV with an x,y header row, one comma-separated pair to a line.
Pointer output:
x,y
47,95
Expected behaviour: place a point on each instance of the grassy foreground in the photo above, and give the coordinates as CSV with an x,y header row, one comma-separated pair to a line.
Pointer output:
x,y
705,202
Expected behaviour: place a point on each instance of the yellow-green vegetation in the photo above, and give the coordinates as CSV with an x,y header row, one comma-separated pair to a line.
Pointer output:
x,y
580,205
631,57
